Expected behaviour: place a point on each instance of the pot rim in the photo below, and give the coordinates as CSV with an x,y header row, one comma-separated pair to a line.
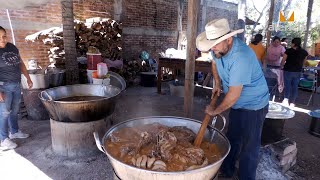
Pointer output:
x,y
77,102
159,172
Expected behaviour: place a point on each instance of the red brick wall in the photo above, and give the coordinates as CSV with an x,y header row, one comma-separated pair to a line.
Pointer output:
x,y
214,13
49,14
154,15
30,50
84,9
46,14
151,14
152,44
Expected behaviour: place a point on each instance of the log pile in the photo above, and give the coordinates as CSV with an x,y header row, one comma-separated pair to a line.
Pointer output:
x,y
104,34
131,69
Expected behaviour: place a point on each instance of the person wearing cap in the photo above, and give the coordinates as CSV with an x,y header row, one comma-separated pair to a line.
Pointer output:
x,y
246,93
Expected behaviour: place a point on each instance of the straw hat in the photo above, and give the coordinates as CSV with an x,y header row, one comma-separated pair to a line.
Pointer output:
x,y
215,32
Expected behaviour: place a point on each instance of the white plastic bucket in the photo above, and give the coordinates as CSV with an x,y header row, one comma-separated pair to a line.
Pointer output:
x,y
89,75
105,81
40,81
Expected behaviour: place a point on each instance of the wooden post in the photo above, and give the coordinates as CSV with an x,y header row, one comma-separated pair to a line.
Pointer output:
x,y
310,4
241,23
193,8
270,25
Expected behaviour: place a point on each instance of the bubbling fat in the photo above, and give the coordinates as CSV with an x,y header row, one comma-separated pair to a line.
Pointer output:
x,y
158,147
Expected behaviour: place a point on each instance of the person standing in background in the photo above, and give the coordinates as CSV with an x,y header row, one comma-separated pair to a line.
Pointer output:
x,y
258,48
275,52
284,42
273,60
11,67
293,61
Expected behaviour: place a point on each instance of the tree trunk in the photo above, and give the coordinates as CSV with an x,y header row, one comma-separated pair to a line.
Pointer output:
x,y
260,16
179,23
72,70
269,28
270,25
241,23
310,4
287,5
277,8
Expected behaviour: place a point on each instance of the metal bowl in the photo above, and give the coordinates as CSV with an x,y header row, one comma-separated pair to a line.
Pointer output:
x,y
117,80
278,111
56,76
125,171
80,111
38,77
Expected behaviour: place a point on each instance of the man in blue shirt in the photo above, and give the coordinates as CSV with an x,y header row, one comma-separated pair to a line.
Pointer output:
x,y
235,65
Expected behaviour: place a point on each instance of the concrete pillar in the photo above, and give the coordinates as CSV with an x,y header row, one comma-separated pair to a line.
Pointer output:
x,y
118,10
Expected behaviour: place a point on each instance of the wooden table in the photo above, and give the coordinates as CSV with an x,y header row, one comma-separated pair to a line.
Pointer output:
x,y
173,63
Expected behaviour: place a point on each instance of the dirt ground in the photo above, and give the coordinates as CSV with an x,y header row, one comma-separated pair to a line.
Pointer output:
x,y
34,159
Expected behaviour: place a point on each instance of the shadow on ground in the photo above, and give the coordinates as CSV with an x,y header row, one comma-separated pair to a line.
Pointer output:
x,y
34,159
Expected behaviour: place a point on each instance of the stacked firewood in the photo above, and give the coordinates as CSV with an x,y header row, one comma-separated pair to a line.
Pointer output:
x,y
131,71
104,34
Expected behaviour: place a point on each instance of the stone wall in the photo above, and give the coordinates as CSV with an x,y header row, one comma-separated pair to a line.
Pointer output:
x,y
149,25
28,21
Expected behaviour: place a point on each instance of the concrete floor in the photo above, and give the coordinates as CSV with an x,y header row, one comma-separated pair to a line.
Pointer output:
x,y
34,159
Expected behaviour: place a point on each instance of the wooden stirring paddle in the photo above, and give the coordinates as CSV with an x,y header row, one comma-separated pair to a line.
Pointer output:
x,y
205,122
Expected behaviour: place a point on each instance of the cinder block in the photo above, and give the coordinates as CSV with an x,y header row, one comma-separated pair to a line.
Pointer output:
x,y
286,167
284,147
288,158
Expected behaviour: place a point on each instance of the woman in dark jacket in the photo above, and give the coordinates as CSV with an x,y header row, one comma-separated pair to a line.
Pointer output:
x,y
293,61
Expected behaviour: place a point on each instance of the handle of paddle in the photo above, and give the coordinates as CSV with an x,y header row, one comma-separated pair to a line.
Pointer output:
x,y
205,122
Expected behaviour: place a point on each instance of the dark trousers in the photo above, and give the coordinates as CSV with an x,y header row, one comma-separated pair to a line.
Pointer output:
x,y
244,134
291,82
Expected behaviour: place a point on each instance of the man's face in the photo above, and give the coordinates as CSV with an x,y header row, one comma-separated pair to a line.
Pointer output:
x,y
3,39
221,48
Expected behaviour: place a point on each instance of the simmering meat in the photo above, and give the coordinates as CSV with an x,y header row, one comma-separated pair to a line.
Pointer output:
x,y
160,148
166,141
182,133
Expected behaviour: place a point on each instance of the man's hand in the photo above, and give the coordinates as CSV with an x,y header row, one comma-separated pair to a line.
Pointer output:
x,y
1,97
216,89
210,110
30,83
